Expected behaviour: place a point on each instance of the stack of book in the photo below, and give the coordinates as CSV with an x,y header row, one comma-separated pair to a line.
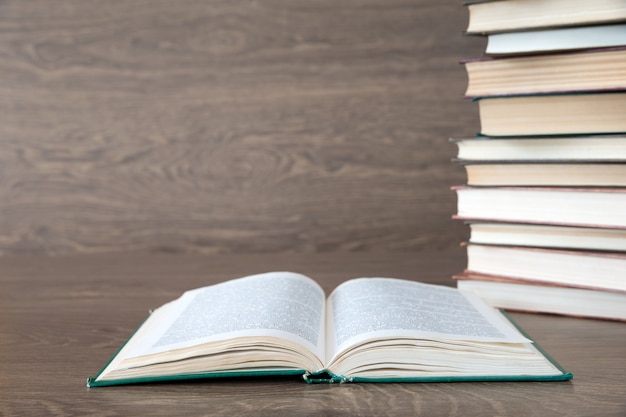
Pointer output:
x,y
545,198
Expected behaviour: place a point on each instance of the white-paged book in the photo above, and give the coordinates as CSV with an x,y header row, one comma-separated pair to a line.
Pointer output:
x,y
518,15
544,236
584,207
562,39
575,268
519,295
573,148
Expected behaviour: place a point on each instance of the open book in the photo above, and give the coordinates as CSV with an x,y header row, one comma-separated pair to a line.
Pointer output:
x,y
369,329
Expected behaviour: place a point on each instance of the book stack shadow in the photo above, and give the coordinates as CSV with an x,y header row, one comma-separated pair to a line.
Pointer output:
x,y
545,198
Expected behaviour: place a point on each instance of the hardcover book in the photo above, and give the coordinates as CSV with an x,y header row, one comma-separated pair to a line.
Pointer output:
x,y
545,236
367,330
546,173
573,148
551,40
583,113
522,295
564,206
518,15
578,268
588,70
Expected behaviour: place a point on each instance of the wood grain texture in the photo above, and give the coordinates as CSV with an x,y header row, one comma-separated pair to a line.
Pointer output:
x,y
62,317
230,126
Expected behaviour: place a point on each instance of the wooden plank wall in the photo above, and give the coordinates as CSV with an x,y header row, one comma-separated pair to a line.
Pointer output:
x,y
231,126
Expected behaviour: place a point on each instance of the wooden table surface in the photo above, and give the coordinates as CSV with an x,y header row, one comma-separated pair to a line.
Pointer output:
x,y
62,317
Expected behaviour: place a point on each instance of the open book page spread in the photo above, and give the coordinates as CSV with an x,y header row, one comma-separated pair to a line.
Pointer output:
x,y
280,304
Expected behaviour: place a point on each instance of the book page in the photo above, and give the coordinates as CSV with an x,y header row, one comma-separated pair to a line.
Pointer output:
x,y
280,304
368,308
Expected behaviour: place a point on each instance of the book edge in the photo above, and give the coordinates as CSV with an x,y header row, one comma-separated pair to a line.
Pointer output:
x,y
91,382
